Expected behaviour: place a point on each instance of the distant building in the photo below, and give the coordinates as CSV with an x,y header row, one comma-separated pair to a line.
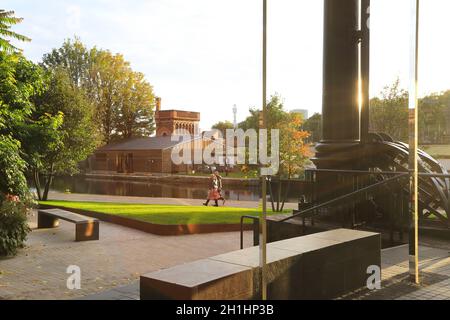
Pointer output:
x,y
147,155
303,112
168,121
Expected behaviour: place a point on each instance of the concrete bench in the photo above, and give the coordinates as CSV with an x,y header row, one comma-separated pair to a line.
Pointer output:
x,y
86,228
319,266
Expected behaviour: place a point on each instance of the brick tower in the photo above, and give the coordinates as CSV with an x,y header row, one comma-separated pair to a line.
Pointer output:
x,y
167,121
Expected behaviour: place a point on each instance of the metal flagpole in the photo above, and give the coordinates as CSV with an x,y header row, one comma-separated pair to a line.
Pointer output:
x,y
413,146
262,218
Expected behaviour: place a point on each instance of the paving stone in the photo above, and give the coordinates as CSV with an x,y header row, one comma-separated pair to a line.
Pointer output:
x,y
111,266
117,259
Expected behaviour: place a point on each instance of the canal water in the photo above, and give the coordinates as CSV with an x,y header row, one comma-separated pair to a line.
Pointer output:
x,y
81,184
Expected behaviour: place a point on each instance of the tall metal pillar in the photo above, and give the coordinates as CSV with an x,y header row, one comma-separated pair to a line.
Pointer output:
x,y
263,215
340,147
340,106
413,146
365,68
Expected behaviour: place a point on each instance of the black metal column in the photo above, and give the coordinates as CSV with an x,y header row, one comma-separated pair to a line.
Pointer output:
x,y
340,147
365,68
340,72
340,106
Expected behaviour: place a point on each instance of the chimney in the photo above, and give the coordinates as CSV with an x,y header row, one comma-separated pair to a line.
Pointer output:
x,y
158,103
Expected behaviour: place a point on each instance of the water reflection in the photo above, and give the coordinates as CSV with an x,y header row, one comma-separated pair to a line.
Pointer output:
x,y
147,189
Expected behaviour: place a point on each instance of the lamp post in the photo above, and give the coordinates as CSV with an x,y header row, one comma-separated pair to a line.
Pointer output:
x,y
413,146
263,124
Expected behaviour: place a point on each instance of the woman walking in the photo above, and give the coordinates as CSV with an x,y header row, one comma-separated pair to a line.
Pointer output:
x,y
220,186
213,193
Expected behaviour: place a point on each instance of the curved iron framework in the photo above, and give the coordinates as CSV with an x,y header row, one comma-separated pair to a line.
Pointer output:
x,y
385,187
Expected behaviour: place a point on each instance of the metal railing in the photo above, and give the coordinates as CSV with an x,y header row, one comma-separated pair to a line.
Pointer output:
x,y
242,227
325,204
310,212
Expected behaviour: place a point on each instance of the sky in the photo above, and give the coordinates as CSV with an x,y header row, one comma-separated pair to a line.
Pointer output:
x,y
205,55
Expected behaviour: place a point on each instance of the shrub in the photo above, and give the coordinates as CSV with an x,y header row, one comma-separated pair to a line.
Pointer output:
x,y
13,225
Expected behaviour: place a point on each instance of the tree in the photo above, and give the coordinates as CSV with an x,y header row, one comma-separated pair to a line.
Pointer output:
x,y
389,113
7,20
12,177
122,100
109,76
434,118
60,135
294,151
293,148
314,126
222,126
134,114
20,79
274,112
73,57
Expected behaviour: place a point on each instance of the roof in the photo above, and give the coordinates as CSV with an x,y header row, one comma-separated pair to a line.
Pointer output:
x,y
149,143
178,110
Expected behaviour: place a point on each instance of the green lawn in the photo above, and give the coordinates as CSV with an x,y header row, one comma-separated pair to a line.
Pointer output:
x,y
164,214
437,151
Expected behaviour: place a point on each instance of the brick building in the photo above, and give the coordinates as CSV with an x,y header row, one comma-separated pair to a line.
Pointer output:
x,y
151,154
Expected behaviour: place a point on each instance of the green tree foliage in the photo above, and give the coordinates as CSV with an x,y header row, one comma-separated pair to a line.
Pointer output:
x,y
44,120
73,57
12,177
434,118
122,100
222,126
314,126
60,135
7,20
389,113
13,225
20,80
274,111
294,151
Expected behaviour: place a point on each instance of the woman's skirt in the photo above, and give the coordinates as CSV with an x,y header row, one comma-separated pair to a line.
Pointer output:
x,y
213,194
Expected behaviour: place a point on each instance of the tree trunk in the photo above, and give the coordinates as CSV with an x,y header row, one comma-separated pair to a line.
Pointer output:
x,y
37,183
48,183
280,184
286,193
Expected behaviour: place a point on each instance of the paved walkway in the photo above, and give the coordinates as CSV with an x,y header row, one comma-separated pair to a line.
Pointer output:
x,y
149,200
435,272
117,259
111,266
